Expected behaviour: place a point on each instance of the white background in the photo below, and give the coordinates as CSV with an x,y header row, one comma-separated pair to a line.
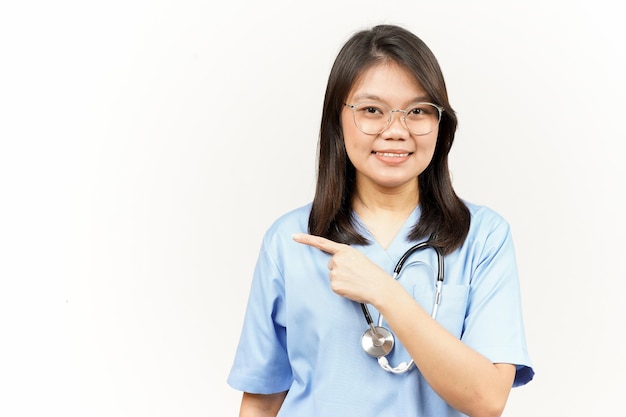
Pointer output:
x,y
147,145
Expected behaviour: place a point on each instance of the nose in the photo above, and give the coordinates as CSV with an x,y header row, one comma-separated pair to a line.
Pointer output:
x,y
397,128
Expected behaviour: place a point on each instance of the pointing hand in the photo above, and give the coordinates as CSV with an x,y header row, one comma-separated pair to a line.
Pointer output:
x,y
352,274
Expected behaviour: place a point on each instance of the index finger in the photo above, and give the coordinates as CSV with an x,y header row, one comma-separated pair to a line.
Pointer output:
x,y
318,242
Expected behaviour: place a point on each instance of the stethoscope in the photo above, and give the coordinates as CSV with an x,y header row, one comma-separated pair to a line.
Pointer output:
x,y
377,341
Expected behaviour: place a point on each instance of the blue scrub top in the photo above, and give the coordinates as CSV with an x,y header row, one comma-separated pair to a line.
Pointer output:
x,y
300,336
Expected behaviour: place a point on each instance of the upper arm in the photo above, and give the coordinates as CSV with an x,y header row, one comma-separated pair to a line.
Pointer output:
x,y
507,372
261,363
261,405
494,323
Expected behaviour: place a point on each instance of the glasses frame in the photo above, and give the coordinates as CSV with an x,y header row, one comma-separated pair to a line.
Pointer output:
x,y
390,118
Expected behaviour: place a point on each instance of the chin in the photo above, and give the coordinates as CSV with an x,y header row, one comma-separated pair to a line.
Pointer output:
x,y
392,183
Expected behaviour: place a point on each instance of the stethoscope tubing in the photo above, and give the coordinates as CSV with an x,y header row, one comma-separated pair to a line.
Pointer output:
x,y
378,333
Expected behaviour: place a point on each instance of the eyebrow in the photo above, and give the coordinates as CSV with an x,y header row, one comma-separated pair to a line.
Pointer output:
x,y
373,97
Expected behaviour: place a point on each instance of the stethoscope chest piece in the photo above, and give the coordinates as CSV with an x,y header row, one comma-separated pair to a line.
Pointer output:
x,y
377,344
378,341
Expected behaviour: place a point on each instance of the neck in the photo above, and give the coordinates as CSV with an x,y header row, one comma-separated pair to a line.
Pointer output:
x,y
374,199
385,210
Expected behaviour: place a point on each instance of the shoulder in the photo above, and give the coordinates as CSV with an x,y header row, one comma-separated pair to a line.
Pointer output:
x,y
486,222
278,247
297,218
293,221
488,249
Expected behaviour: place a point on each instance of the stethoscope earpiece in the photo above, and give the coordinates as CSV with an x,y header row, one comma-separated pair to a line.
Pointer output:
x,y
377,341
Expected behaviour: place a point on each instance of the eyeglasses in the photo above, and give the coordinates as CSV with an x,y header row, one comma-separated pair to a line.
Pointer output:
x,y
373,118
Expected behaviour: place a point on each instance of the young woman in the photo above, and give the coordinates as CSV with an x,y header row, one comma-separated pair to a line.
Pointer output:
x,y
332,327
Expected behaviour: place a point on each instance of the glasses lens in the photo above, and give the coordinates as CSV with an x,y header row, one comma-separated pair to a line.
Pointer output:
x,y
421,118
371,118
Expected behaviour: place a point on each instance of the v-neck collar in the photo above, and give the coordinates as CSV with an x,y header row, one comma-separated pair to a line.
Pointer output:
x,y
387,258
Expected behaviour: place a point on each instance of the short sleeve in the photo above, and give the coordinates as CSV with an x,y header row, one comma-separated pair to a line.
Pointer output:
x,y
494,321
261,365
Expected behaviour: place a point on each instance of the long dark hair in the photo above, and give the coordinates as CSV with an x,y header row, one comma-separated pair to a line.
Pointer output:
x,y
443,214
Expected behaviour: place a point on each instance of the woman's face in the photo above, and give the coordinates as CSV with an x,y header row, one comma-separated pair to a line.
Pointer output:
x,y
395,157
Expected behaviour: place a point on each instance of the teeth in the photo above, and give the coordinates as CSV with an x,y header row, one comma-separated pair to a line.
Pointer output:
x,y
392,155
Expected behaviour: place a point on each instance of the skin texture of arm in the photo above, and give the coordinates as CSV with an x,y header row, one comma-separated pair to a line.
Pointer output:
x,y
479,387
464,378
261,405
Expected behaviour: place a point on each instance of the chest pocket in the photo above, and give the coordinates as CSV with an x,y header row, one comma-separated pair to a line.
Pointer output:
x,y
453,306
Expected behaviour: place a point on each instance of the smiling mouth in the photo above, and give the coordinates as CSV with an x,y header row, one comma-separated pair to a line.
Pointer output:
x,y
392,155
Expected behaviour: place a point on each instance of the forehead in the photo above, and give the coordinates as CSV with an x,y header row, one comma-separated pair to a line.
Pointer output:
x,y
388,82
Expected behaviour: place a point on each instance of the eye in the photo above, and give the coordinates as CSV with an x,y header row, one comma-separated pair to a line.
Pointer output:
x,y
370,110
420,110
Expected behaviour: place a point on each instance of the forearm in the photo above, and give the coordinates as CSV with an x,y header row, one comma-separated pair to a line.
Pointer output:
x,y
464,378
261,405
